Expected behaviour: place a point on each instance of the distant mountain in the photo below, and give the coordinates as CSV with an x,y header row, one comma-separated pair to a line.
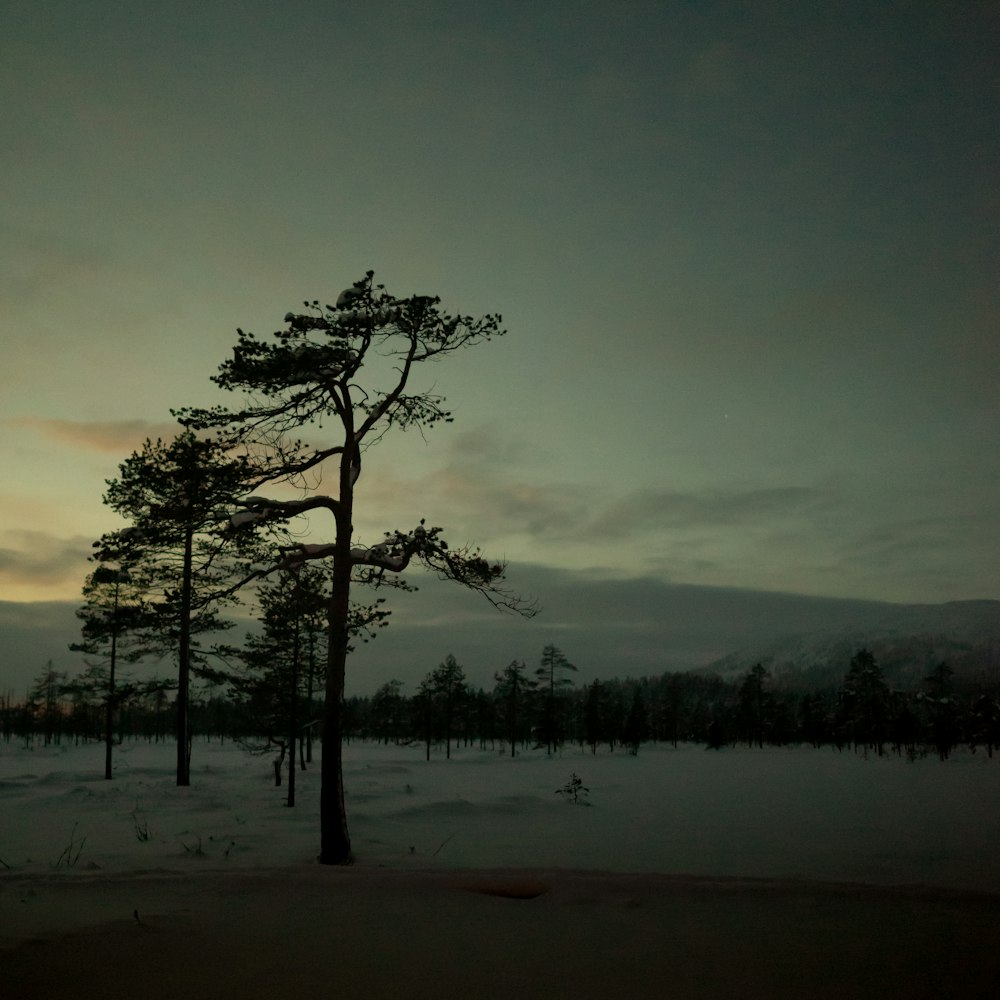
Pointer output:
x,y
608,627
908,640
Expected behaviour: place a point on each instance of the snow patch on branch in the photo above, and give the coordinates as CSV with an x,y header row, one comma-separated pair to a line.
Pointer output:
x,y
318,551
380,556
245,517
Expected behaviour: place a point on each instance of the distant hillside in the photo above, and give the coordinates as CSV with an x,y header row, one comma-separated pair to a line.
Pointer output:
x,y
908,641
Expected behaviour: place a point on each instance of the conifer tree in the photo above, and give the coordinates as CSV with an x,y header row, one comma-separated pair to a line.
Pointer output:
x,y
328,386
551,675
111,620
172,493
449,688
514,690
636,722
864,700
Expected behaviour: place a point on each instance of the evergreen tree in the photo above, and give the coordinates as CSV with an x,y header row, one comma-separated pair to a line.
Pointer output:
x,y
448,687
513,692
388,712
595,715
311,376
43,702
636,722
171,492
939,698
755,702
671,692
864,702
984,728
551,676
110,623
423,704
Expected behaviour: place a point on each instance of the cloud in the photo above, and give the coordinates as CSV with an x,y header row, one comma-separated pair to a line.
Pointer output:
x,y
937,556
474,490
31,559
720,508
112,436
702,535
837,535
34,633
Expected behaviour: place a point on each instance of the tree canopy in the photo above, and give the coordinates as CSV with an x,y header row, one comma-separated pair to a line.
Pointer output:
x,y
320,392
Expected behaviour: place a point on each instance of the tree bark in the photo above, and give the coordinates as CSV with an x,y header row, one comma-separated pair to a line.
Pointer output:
x,y
109,713
293,715
335,841
184,663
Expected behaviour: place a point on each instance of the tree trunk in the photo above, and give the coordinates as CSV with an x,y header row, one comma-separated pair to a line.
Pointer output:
x,y
184,665
335,841
109,713
309,699
293,715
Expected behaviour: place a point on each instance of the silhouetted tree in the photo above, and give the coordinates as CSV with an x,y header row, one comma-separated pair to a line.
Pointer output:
x,y
172,493
551,675
903,728
985,723
448,687
754,705
671,706
269,685
43,702
595,715
939,699
423,704
812,720
864,699
636,722
109,623
513,691
387,712
310,375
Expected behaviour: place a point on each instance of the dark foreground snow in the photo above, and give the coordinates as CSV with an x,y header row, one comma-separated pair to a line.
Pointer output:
x,y
775,873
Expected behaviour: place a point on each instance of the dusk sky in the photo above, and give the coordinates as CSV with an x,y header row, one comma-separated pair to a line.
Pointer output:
x,y
746,254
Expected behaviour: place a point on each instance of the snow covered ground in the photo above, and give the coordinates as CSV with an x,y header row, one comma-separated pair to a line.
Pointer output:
x,y
691,874
784,813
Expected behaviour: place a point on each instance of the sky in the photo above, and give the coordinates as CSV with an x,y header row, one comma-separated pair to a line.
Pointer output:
x,y
746,254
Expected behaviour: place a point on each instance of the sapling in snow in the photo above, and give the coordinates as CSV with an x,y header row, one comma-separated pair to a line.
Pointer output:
x,y
574,791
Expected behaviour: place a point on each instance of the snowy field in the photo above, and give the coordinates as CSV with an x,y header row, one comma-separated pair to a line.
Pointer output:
x,y
693,875
779,813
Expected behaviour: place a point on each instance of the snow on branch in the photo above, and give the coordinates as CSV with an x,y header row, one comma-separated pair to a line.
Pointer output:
x,y
263,509
466,566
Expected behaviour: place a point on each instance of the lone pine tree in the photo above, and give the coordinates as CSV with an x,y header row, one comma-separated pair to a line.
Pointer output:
x,y
513,691
110,620
551,676
448,688
344,374
171,493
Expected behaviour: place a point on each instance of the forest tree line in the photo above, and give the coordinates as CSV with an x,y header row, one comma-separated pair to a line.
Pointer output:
x,y
263,706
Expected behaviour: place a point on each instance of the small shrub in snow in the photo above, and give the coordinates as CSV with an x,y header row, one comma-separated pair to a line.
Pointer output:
x,y
574,791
